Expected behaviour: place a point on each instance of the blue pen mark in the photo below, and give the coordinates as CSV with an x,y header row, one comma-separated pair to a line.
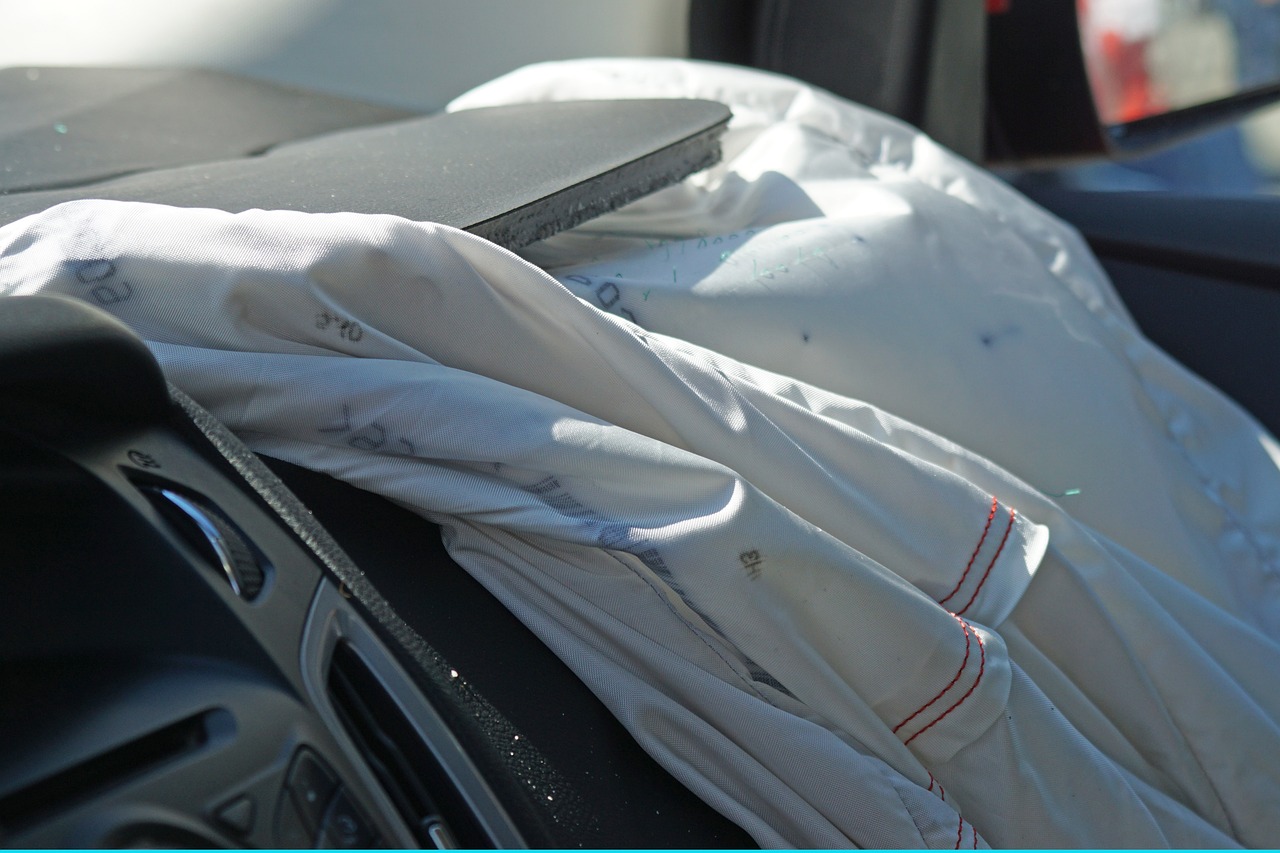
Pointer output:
x,y
990,339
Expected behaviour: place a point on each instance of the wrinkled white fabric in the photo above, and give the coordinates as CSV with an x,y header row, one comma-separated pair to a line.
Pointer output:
x,y
834,624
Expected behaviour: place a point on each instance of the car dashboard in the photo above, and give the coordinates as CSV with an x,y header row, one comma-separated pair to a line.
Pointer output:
x,y
190,659
182,669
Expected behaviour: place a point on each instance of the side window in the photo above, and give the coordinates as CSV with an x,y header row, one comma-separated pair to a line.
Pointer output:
x,y
1146,58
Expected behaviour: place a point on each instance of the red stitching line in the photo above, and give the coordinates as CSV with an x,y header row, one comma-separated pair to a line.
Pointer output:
x,y
974,830
994,504
982,650
959,833
952,683
942,792
1013,514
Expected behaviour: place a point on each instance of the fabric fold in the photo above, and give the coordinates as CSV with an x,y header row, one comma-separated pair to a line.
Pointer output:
x,y
838,472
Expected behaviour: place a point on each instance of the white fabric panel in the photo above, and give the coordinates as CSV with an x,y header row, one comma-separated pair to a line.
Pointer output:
x,y
1034,606
894,272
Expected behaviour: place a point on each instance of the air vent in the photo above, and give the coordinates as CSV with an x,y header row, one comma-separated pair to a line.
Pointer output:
x,y
82,781
208,530
403,763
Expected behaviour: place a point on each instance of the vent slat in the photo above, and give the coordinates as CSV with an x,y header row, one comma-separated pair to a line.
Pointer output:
x,y
405,766
80,782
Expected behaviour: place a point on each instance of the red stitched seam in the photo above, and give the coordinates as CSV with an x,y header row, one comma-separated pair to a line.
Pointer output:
x,y
952,683
1013,514
994,504
942,792
974,830
982,666
959,833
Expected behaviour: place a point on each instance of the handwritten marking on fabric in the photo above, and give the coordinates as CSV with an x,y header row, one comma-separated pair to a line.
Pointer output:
x,y
771,268
348,330
751,561
606,293
96,272
989,339
559,499
665,245
371,437
610,534
616,536
693,260
703,242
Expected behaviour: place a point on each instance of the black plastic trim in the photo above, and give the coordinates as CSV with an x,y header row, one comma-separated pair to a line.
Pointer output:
x,y
32,804
404,766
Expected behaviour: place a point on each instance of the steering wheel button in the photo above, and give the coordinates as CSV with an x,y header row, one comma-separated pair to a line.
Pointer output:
x,y
236,815
312,784
345,826
290,832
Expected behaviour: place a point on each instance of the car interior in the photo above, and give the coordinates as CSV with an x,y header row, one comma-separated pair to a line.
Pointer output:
x,y
210,648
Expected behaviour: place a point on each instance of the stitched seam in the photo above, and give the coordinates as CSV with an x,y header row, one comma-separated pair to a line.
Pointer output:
x,y
974,830
959,833
952,683
994,505
982,667
1013,515
911,813
942,792
692,629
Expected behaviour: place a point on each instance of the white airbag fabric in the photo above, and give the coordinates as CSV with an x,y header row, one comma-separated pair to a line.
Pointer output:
x,y
1056,625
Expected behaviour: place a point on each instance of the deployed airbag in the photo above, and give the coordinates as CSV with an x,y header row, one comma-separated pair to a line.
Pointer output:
x,y
1041,610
